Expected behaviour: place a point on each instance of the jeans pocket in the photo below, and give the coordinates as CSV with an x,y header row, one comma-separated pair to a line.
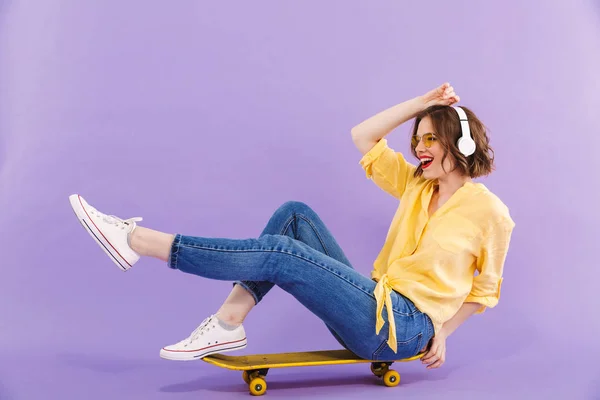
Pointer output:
x,y
402,306
406,348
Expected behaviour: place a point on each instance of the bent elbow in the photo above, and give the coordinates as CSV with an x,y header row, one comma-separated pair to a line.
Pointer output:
x,y
354,133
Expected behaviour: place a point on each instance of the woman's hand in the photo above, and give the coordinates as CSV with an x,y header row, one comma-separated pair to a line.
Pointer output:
x,y
443,95
435,357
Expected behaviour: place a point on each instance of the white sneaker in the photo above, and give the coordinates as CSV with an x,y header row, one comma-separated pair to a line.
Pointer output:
x,y
208,338
109,232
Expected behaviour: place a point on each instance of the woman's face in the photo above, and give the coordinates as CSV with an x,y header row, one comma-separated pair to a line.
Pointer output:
x,y
431,157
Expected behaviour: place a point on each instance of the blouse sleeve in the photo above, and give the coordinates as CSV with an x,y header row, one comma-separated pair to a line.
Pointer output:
x,y
387,168
490,265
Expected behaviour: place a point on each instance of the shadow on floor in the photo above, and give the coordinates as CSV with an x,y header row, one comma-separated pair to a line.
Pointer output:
x,y
103,364
4,393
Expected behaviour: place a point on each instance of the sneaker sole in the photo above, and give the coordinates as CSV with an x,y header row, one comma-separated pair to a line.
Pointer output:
x,y
183,355
96,234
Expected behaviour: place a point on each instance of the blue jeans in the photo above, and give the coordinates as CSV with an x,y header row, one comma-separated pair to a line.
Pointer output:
x,y
298,253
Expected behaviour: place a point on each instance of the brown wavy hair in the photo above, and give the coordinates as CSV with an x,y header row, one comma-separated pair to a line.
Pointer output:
x,y
447,130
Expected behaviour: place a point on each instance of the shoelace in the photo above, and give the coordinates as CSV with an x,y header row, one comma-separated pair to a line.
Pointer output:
x,y
114,220
201,329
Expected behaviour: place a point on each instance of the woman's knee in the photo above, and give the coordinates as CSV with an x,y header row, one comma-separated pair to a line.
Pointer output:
x,y
295,207
286,216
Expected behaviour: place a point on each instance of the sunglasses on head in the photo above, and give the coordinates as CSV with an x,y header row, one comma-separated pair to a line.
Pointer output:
x,y
428,140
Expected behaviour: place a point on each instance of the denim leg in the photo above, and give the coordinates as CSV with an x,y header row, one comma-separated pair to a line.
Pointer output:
x,y
337,294
300,222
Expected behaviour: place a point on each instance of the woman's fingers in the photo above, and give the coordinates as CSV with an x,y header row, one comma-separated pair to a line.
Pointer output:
x,y
438,360
436,364
427,358
449,92
430,355
452,99
439,91
442,95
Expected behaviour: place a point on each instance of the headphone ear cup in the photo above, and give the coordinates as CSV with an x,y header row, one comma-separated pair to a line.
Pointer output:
x,y
466,146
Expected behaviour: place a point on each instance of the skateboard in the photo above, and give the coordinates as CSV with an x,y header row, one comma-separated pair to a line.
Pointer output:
x,y
255,367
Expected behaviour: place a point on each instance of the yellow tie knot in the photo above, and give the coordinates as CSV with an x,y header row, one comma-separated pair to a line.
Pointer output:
x,y
383,292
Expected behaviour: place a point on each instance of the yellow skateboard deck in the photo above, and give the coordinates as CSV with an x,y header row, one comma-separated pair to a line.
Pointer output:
x,y
256,366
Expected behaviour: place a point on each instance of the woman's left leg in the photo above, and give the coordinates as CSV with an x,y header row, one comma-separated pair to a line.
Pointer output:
x,y
337,294
294,219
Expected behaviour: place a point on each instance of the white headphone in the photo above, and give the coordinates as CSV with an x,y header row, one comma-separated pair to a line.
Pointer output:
x,y
466,144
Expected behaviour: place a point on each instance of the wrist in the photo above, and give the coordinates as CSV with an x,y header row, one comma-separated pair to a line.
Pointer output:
x,y
444,332
419,104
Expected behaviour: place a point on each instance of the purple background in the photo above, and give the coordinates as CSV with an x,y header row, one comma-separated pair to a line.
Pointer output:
x,y
203,118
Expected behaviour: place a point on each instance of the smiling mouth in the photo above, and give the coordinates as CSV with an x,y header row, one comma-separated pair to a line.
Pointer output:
x,y
426,162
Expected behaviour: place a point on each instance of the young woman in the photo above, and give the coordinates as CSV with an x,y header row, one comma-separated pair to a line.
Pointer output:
x,y
442,260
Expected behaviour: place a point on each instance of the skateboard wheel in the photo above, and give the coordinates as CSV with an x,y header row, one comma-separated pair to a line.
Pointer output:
x,y
246,377
391,378
258,386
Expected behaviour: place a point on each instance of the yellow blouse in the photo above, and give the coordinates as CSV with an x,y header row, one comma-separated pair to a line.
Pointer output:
x,y
432,260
